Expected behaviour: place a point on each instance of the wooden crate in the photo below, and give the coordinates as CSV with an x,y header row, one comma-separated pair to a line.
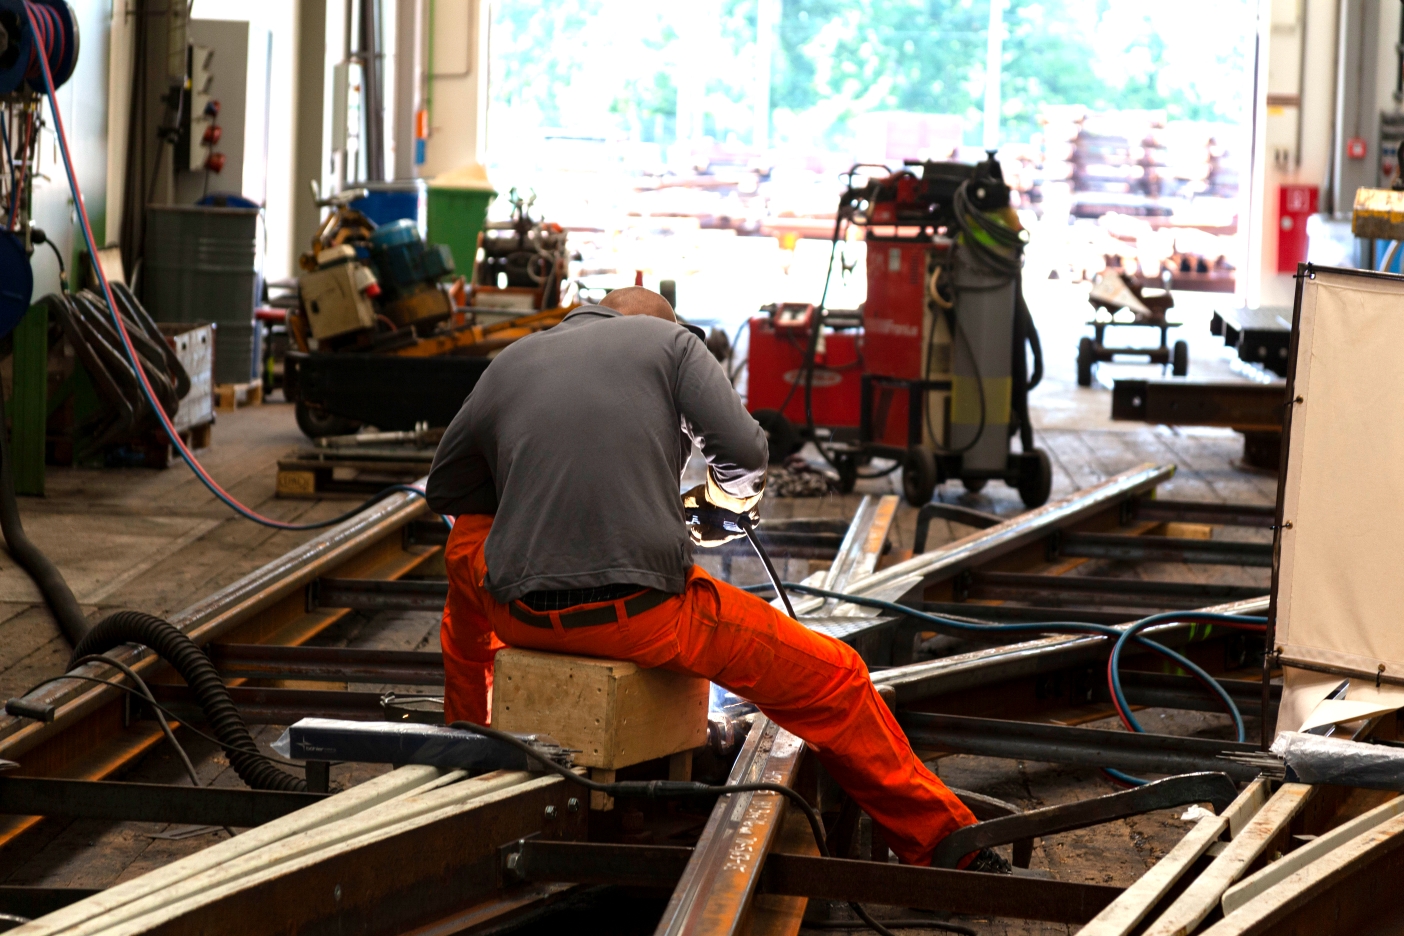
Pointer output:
x,y
613,713
230,396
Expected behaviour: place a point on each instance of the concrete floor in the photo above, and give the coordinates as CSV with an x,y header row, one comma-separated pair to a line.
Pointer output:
x,y
157,541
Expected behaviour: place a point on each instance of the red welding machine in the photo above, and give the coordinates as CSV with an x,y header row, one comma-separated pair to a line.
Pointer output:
x,y
931,370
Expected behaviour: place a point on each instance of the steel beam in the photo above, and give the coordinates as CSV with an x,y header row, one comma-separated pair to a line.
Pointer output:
x,y
1235,404
1078,747
1096,589
1209,787
214,616
334,664
1162,549
815,878
1020,613
905,581
147,802
271,706
1262,516
34,902
377,595
926,680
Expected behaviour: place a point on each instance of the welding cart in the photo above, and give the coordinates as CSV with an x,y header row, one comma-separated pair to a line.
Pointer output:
x,y
1118,300
931,372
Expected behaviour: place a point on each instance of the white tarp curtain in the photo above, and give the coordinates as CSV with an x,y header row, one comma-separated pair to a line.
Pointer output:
x,y
1341,580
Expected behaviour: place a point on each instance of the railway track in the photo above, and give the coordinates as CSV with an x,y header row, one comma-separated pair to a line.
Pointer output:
x,y
753,868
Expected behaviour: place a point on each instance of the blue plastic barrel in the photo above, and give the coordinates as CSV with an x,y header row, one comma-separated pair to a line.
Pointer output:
x,y
392,201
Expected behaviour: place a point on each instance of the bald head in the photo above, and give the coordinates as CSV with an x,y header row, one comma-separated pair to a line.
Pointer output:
x,y
636,300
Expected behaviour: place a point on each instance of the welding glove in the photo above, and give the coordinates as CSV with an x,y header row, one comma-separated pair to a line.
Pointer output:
x,y
711,495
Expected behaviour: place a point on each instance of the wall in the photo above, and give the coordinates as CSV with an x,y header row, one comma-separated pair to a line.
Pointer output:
x,y
457,87
278,18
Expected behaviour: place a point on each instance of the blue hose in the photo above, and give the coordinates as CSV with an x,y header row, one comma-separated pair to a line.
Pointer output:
x,y
1123,636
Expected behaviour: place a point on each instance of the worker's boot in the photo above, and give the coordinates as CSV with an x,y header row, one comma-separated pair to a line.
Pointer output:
x,y
989,861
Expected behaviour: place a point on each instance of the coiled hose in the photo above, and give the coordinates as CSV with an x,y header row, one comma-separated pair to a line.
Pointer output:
x,y
186,657
59,597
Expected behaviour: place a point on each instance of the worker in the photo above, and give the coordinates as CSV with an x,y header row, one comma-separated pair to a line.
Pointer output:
x,y
562,472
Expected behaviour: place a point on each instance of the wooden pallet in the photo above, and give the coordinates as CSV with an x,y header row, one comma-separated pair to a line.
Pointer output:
x,y
329,473
231,396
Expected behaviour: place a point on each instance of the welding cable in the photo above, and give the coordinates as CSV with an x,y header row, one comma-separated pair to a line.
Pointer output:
x,y
174,646
85,226
146,694
744,521
1118,697
673,789
57,595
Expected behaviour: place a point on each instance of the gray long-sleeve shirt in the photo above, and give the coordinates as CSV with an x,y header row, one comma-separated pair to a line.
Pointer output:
x,y
576,438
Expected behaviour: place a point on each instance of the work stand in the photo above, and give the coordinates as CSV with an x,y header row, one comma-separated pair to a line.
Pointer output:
x,y
1120,301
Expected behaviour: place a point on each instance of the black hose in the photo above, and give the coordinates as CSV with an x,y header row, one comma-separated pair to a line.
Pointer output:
x,y
187,659
57,595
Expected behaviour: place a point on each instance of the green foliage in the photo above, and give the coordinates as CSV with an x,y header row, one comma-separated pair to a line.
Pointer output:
x,y
571,62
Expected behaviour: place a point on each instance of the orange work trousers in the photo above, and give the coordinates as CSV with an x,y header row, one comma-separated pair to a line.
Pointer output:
x,y
811,685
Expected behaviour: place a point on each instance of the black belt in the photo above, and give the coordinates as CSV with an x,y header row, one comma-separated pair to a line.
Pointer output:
x,y
591,617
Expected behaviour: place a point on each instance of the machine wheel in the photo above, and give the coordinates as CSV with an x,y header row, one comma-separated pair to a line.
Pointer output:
x,y
1179,360
847,466
974,485
782,435
1037,482
1086,358
919,476
317,423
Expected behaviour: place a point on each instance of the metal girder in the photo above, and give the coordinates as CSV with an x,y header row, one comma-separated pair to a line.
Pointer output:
x,y
334,664
268,706
1079,747
1209,787
1096,589
1019,613
34,902
819,879
1249,515
1236,404
376,595
147,802
1162,549
1163,690
216,615
906,580
919,681
419,873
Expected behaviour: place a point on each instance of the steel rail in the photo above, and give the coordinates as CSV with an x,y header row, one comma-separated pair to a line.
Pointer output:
x,y
88,737
905,581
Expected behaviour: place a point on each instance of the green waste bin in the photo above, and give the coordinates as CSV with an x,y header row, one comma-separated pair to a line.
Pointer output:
x,y
458,204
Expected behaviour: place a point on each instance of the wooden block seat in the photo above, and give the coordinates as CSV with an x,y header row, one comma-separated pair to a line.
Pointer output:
x,y
612,713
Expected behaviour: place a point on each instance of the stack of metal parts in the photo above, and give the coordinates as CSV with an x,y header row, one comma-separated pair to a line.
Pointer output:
x,y
385,812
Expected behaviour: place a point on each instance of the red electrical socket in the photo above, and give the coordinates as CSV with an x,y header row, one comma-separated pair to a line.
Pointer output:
x,y
215,163
212,135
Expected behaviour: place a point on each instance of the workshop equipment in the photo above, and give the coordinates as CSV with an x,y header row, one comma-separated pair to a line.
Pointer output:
x,y
932,373
1124,302
386,202
524,261
409,272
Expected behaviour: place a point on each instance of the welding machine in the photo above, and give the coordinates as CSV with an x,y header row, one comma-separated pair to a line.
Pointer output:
x,y
932,372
